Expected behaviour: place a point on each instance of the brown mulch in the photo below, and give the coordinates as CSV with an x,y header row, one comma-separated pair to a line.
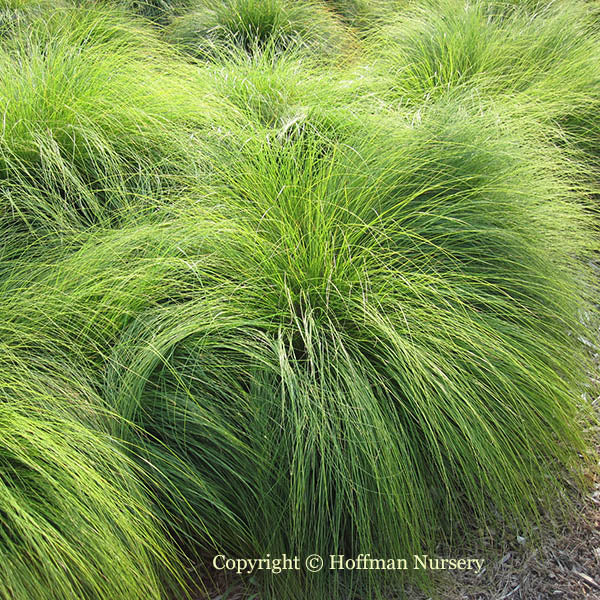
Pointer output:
x,y
564,566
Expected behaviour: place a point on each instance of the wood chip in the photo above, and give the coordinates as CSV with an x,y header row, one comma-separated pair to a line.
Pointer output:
x,y
588,579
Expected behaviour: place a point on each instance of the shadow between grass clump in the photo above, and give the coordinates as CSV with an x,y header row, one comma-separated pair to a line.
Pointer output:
x,y
159,11
364,14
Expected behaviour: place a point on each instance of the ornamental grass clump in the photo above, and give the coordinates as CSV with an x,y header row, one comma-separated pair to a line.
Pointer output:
x,y
392,334
75,522
543,57
356,328
98,117
443,45
213,29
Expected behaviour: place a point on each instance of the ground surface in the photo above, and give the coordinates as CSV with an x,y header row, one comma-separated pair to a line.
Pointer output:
x,y
565,567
